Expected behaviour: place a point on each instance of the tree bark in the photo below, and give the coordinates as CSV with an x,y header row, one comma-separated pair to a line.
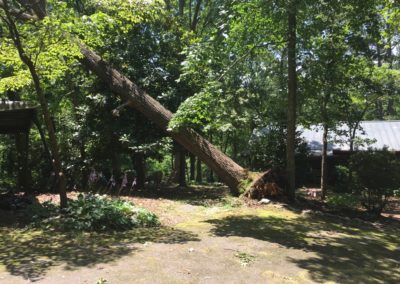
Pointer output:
x,y
139,166
179,170
182,167
324,162
114,149
181,7
389,54
192,167
378,104
195,19
210,177
199,171
291,114
230,172
61,181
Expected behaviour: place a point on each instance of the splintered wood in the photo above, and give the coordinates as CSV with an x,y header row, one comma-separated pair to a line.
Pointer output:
x,y
265,185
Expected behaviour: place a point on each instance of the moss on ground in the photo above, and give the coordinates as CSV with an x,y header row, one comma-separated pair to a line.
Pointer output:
x,y
321,248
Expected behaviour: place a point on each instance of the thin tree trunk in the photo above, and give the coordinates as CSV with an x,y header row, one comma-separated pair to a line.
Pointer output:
x,y
389,54
324,162
351,150
192,167
139,166
378,105
195,19
190,12
179,171
115,155
210,175
42,138
182,167
43,103
181,7
291,114
199,171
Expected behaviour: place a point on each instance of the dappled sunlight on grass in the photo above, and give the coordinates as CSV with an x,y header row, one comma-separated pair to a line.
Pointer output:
x,y
30,253
344,250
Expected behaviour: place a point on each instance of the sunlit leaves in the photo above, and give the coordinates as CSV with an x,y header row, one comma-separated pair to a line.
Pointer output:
x,y
15,82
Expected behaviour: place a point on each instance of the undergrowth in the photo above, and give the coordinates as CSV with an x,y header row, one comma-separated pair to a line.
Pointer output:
x,y
92,213
342,200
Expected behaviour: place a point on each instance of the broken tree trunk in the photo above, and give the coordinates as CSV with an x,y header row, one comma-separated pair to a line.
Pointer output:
x,y
231,173
224,167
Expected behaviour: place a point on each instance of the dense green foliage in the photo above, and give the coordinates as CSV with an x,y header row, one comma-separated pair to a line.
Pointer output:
x,y
375,177
92,213
220,66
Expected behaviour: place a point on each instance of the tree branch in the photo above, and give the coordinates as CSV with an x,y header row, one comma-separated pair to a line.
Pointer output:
x,y
19,14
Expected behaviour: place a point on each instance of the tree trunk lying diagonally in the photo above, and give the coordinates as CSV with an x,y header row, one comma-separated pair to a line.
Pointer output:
x,y
230,172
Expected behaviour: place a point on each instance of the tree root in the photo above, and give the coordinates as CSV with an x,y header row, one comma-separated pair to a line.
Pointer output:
x,y
268,184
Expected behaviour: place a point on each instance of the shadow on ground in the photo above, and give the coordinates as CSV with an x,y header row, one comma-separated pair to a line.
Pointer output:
x,y
345,251
31,253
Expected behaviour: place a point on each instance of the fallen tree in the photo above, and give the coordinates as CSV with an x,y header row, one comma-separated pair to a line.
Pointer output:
x,y
237,178
230,172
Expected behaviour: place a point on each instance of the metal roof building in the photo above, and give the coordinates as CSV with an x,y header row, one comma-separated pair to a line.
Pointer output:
x,y
371,135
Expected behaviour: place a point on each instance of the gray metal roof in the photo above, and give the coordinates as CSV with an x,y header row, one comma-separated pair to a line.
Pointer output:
x,y
373,134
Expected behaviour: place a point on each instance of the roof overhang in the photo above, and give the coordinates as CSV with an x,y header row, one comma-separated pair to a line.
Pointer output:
x,y
16,116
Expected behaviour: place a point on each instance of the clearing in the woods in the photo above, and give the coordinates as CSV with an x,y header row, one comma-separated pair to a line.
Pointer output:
x,y
207,237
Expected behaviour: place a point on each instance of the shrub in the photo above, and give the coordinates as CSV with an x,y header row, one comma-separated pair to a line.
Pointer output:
x,y
342,200
341,179
95,213
375,175
267,149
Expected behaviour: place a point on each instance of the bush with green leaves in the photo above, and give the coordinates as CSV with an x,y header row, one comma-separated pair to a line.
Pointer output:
x,y
341,179
376,176
95,213
342,200
267,149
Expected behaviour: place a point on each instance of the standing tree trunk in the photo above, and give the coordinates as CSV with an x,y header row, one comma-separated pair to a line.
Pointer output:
x,y
199,171
114,149
378,104
182,167
140,169
192,167
181,7
210,176
14,33
324,162
291,114
179,171
389,54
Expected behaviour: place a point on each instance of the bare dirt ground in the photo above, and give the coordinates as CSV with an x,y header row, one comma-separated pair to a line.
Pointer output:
x,y
207,238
